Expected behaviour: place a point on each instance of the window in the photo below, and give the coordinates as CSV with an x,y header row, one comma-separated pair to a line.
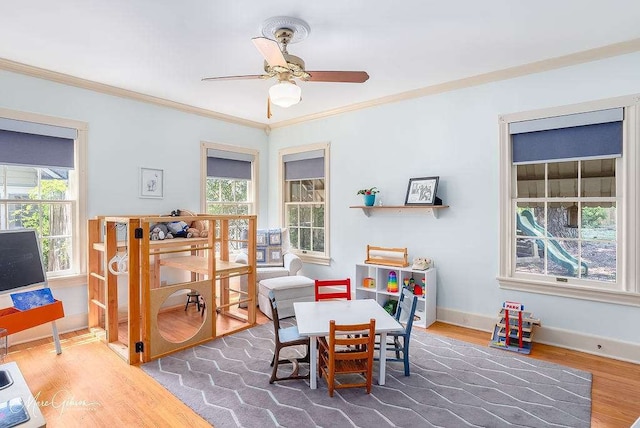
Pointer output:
x,y
568,202
304,173
229,185
40,182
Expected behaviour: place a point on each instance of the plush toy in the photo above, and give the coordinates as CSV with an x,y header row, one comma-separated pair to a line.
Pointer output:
x,y
178,228
197,230
192,232
159,231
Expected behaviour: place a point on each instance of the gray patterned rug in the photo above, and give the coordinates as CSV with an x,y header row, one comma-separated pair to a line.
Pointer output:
x,y
452,384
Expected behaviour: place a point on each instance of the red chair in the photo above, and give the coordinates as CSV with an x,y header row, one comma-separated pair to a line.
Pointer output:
x,y
333,290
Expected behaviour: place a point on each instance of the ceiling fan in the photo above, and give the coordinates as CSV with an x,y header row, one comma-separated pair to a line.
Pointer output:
x,y
286,67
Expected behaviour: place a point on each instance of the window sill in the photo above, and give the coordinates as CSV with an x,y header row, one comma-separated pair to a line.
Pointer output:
x,y
576,292
67,281
314,259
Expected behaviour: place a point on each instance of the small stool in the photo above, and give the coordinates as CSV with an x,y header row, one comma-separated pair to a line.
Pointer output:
x,y
287,290
193,297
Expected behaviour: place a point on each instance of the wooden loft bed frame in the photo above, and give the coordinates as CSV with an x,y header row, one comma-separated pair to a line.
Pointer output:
x,y
146,296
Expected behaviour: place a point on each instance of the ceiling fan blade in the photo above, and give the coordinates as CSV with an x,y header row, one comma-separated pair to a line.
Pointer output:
x,y
270,50
247,77
338,76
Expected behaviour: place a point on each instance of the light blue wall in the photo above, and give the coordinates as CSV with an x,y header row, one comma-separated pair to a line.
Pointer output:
x,y
125,135
452,135
455,136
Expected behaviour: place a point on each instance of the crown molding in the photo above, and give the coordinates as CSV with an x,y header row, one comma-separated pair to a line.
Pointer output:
x,y
589,55
78,82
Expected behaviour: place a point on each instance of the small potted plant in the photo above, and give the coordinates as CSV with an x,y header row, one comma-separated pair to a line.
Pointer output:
x,y
369,195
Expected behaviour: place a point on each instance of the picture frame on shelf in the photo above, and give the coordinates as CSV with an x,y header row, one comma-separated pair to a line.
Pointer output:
x,y
151,183
422,191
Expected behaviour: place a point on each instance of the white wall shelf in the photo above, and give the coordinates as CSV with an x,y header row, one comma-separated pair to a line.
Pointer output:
x,y
401,209
426,310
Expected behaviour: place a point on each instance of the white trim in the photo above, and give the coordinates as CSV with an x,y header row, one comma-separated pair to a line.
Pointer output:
x,y
631,185
572,291
628,292
590,344
314,154
67,79
567,121
38,128
205,146
41,118
576,58
59,282
80,167
314,258
231,155
467,320
66,324
584,107
305,148
558,160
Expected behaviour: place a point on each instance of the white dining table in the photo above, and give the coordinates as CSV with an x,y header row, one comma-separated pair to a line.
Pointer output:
x,y
313,321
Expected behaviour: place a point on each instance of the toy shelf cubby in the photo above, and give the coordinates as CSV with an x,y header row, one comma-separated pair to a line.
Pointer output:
x,y
426,310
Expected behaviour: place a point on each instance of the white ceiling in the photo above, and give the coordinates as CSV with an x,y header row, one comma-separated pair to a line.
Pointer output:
x,y
164,47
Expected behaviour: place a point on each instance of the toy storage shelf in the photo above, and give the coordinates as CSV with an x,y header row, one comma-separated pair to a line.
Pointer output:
x,y
400,209
426,310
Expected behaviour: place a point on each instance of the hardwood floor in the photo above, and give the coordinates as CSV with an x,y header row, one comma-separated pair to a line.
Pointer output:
x,y
88,385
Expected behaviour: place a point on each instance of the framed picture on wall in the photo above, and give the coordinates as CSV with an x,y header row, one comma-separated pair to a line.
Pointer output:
x,y
151,183
422,191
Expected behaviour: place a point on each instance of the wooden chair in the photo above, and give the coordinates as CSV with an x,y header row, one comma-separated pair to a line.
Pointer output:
x,y
399,342
332,293
285,337
334,359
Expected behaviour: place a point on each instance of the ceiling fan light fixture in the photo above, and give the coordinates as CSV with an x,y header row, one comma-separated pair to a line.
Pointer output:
x,y
285,93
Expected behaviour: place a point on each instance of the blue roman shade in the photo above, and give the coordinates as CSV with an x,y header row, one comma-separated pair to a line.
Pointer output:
x,y
595,134
304,165
35,144
225,164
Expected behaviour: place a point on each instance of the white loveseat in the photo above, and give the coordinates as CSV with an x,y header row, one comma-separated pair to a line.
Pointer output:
x,y
292,264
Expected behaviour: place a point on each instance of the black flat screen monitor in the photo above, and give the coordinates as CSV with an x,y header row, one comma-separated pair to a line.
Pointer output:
x,y
20,260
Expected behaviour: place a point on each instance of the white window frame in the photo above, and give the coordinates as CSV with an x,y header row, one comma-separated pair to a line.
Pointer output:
x,y
78,275
253,191
627,291
308,256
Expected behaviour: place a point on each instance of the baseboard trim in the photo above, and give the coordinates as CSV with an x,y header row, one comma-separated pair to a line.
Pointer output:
x,y
589,344
65,325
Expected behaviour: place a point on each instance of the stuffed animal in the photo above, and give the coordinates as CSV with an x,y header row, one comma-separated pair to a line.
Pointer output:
x,y
192,232
178,229
159,231
197,230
